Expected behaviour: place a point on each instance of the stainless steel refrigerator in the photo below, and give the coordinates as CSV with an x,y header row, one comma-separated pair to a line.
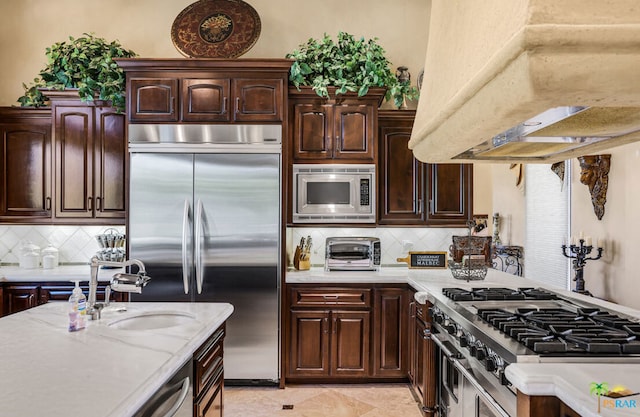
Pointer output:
x,y
205,218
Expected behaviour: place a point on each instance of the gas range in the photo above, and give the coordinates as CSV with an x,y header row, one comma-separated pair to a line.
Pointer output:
x,y
490,328
534,322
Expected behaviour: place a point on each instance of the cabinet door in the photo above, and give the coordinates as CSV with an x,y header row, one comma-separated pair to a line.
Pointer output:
x,y
354,135
425,365
205,100
411,341
390,350
311,134
258,100
73,143
350,343
25,170
450,194
19,297
309,343
153,99
110,150
401,187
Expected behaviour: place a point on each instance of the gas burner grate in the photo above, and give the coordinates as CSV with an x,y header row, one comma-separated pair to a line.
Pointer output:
x,y
556,330
498,293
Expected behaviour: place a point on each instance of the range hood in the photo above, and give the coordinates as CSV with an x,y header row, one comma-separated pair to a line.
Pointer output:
x,y
528,80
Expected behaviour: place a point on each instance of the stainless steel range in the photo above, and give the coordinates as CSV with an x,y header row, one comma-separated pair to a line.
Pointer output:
x,y
483,330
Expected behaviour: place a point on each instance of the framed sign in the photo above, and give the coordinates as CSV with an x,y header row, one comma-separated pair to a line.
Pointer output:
x,y
425,260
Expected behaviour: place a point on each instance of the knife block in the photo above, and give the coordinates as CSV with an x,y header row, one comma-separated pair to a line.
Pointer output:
x,y
301,260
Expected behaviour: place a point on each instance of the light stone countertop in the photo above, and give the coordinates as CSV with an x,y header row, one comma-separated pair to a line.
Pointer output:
x,y
568,381
62,273
100,371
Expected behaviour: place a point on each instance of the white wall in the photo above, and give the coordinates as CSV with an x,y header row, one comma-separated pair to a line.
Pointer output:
x,y
615,276
27,27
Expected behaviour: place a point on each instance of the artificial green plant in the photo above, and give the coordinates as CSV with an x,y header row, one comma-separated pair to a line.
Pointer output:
x,y
85,63
349,65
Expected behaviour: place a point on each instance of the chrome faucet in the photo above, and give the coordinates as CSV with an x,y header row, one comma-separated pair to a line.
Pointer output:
x,y
119,282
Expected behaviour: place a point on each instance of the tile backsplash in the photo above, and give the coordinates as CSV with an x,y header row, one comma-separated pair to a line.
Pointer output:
x,y
395,242
76,244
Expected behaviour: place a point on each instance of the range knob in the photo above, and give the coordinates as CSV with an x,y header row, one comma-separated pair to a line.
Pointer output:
x,y
473,349
464,340
481,353
491,363
437,315
451,328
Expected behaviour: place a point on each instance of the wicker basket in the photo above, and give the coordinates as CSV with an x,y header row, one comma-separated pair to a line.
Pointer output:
x,y
468,271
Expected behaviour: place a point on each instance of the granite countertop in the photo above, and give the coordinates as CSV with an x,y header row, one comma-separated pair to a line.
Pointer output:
x,y
62,273
100,371
570,382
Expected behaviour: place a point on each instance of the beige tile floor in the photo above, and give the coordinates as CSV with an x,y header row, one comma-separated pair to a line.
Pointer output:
x,y
366,400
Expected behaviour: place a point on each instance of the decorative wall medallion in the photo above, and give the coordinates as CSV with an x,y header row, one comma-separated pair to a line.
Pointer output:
x,y
216,29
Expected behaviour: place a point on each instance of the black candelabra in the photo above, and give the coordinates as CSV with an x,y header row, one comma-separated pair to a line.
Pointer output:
x,y
579,255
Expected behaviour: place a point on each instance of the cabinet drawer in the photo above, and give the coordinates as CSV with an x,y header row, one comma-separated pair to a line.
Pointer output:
x,y
208,362
344,297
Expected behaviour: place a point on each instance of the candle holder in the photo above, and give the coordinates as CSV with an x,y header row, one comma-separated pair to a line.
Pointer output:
x,y
579,256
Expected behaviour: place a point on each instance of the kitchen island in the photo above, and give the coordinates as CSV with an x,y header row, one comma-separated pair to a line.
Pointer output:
x,y
105,370
567,380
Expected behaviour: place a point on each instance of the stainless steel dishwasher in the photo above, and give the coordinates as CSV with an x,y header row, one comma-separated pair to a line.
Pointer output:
x,y
173,399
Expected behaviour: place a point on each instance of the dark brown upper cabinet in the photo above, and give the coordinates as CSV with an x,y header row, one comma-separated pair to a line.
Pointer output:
x,y
202,90
25,164
89,152
411,192
342,128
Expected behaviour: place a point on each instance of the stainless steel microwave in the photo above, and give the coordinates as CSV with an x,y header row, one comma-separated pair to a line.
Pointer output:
x,y
334,193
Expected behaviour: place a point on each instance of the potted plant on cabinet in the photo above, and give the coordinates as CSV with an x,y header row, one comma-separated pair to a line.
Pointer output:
x,y
85,63
348,65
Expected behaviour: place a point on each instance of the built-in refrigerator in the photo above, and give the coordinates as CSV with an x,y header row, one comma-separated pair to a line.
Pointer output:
x,y
205,218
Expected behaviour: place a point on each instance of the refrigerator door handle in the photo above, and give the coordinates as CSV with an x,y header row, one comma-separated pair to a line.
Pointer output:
x,y
185,251
199,267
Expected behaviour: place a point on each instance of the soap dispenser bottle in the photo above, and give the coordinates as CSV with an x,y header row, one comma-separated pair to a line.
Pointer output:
x,y
77,309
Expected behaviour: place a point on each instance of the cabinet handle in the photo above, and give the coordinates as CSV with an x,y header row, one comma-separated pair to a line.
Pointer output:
x,y
90,202
330,297
420,206
431,206
98,203
237,105
335,325
224,105
326,325
47,203
172,105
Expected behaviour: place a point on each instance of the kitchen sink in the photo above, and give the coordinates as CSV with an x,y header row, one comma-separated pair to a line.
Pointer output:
x,y
152,320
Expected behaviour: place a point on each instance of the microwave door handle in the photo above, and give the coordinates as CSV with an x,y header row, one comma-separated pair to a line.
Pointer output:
x,y
185,252
199,266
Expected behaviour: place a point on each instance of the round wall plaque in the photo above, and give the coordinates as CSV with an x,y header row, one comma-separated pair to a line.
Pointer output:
x,y
216,29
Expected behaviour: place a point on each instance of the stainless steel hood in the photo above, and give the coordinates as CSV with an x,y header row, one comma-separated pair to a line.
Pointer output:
x,y
528,80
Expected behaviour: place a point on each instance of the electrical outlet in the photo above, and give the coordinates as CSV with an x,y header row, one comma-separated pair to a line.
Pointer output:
x,y
407,245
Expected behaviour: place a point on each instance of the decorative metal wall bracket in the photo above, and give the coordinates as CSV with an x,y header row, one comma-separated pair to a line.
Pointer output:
x,y
595,174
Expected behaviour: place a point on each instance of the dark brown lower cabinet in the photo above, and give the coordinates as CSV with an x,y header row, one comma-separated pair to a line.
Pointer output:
x,y
329,343
349,332
390,332
543,406
209,376
424,367
19,296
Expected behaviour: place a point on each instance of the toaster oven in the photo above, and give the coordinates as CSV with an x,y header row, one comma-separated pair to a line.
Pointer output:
x,y
352,254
